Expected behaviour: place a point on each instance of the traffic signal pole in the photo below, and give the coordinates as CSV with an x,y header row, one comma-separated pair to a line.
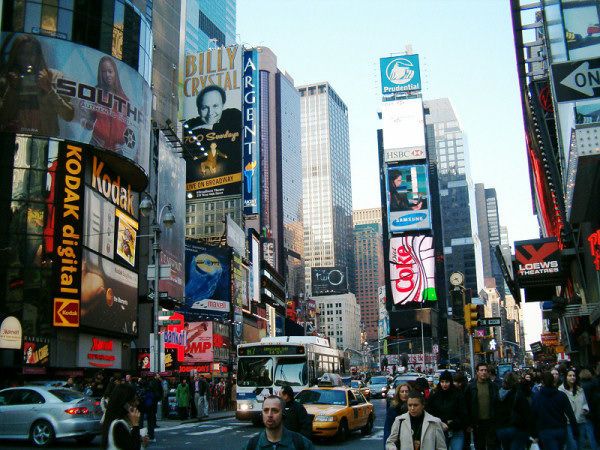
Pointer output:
x,y
472,355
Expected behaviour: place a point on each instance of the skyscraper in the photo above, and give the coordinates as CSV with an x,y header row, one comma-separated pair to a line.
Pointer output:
x,y
489,234
462,250
327,188
369,266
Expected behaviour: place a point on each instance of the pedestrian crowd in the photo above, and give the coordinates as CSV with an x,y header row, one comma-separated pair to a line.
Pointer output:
x,y
551,409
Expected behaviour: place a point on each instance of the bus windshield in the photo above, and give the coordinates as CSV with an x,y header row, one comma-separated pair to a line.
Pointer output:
x,y
255,372
292,372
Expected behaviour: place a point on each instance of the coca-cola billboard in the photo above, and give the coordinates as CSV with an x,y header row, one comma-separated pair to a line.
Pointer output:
x,y
412,269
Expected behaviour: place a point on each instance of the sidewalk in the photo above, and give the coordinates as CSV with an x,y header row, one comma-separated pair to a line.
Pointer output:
x,y
170,423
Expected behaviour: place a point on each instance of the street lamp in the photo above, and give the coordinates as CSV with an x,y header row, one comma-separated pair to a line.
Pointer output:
x,y
147,206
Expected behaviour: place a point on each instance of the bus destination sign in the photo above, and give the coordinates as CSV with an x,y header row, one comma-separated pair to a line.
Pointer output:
x,y
272,350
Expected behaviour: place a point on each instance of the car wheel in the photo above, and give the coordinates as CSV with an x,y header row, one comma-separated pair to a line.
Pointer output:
x,y
342,431
86,439
368,427
42,433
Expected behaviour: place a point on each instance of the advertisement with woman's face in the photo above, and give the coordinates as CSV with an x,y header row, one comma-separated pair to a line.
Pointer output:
x,y
56,88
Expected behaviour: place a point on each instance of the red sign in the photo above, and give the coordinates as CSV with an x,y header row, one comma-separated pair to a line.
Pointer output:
x,y
66,312
538,262
99,345
594,241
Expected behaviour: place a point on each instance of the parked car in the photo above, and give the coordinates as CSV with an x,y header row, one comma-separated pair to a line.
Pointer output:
x,y
379,386
45,413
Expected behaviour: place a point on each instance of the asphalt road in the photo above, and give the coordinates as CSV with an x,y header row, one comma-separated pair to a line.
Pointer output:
x,y
224,434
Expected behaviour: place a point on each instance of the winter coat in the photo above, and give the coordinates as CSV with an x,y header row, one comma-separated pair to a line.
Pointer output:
x,y
578,402
472,403
390,417
296,419
450,407
512,410
551,408
432,434
183,395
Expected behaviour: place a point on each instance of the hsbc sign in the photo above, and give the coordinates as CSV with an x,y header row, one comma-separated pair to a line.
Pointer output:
x,y
404,154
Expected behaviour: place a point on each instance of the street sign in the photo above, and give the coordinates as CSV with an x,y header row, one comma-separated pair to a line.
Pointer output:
x,y
576,80
161,296
169,322
165,313
164,272
490,322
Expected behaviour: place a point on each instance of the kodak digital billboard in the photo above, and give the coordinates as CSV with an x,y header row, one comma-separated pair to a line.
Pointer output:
x,y
212,122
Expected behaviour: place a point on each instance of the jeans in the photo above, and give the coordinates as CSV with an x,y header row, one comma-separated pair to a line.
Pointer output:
x,y
512,438
455,440
588,429
554,438
573,444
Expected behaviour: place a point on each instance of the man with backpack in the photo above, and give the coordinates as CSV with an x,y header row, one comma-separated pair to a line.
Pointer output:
x,y
275,435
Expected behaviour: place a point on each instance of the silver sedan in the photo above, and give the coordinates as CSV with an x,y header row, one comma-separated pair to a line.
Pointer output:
x,y
45,413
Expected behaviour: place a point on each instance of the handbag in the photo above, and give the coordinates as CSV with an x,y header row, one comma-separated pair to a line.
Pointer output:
x,y
534,446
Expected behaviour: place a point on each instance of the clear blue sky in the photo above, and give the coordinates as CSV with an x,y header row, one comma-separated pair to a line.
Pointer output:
x,y
467,54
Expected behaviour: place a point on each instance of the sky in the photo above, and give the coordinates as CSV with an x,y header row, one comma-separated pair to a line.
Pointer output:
x,y
466,53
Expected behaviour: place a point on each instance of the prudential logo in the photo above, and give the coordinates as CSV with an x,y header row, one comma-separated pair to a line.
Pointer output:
x,y
400,71
400,74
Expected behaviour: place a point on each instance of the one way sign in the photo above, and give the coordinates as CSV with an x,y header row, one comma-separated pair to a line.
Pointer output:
x,y
576,80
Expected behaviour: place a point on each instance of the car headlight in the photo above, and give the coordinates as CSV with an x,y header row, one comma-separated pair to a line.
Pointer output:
x,y
324,418
246,406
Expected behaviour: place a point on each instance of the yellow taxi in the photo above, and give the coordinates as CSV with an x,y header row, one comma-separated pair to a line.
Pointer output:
x,y
337,410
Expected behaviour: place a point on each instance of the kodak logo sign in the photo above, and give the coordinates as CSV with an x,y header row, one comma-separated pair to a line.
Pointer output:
x,y
66,312
110,187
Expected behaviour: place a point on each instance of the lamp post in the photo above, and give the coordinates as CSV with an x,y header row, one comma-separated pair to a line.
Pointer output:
x,y
146,207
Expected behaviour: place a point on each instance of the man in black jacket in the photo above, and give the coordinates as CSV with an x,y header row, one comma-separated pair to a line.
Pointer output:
x,y
295,417
481,395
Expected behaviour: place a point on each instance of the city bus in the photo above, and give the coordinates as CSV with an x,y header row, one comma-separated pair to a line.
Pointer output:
x,y
264,367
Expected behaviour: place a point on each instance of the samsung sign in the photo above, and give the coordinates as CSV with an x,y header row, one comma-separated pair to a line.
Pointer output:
x,y
400,74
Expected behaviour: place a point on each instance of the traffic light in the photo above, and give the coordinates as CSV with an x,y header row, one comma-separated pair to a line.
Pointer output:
x,y
471,316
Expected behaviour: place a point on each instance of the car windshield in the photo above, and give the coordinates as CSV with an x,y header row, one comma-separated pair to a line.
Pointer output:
x,y
321,397
291,372
355,384
379,380
255,372
66,395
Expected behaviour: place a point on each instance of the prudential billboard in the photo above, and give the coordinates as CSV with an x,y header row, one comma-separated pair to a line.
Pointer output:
x,y
400,74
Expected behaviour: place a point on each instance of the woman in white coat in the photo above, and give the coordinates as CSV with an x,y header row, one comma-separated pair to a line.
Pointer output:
x,y
416,429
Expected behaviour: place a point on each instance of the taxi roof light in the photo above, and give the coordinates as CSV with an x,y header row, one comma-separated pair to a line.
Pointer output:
x,y
331,379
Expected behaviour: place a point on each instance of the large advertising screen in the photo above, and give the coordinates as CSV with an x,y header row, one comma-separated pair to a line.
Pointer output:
x,y
212,127
408,198
56,88
208,282
412,270
328,280
171,183
108,295
199,346
400,74
403,130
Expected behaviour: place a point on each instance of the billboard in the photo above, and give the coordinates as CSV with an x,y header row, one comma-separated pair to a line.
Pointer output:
x,y
403,130
208,281
408,198
36,351
255,270
412,269
400,74
68,226
199,346
251,137
171,190
328,280
212,127
538,262
109,297
74,92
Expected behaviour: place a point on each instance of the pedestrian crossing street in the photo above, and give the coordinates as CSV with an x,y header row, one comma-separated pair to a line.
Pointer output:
x,y
231,431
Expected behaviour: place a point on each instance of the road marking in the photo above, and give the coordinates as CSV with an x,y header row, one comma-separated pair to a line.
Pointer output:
x,y
216,430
